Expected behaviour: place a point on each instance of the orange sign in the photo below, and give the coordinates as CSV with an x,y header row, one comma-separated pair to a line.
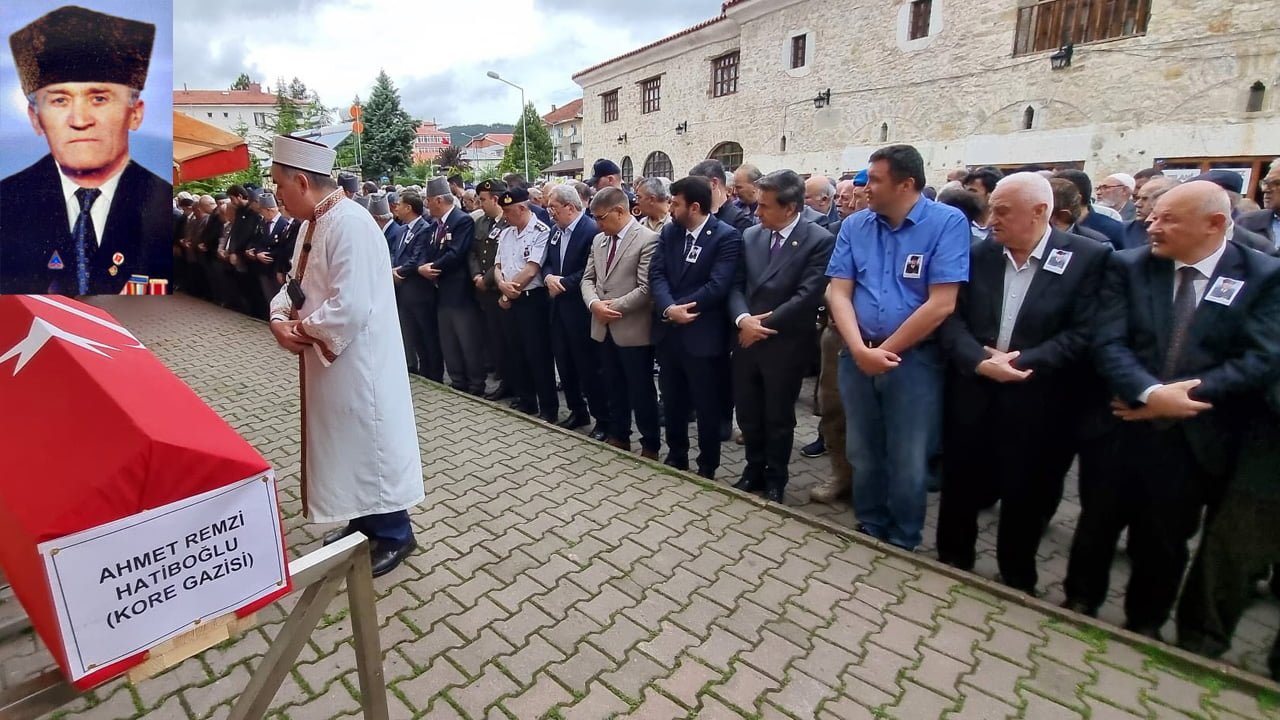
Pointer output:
x,y
355,112
357,127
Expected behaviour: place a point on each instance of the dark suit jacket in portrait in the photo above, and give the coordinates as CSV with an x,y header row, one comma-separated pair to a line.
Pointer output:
x,y
1053,332
790,285
568,305
34,226
1234,350
706,281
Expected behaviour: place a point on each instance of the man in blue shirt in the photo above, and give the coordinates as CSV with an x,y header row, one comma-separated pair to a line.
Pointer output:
x,y
895,273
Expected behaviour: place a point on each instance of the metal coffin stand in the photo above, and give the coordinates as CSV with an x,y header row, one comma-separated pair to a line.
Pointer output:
x,y
319,576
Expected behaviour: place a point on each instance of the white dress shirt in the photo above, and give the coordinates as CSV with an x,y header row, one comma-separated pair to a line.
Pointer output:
x,y
101,206
1017,280
564,238
1207,266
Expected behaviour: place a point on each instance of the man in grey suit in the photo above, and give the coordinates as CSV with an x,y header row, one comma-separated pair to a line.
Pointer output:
x,y
773,303
615,287
1266,222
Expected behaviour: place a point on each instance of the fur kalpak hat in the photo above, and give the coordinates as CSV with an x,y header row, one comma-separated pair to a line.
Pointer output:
x,y
73,44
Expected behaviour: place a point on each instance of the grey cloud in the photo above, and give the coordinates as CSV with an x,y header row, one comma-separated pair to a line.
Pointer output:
x,y
639,17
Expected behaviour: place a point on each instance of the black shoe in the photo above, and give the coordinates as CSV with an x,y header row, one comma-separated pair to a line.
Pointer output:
x,y
817,448
515,403
575,421
530,409
1147,631
1077,606
384,561
598,432
708,473
499,393
334,536
552,418
749,484
677,463
774,494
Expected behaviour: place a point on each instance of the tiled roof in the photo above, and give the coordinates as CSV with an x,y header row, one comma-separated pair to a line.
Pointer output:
x,y
566,112
223,97
669,38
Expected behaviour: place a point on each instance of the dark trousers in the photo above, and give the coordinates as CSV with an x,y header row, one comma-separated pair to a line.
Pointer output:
x,y
1023,466
385,530
461,341
250,290
578,364
1148,479
1240,543
495,358
766,381
530,350
268,284
408,326
628,374
422,301
689,381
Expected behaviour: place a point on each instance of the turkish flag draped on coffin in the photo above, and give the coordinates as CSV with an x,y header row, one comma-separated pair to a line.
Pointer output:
x,y
94,428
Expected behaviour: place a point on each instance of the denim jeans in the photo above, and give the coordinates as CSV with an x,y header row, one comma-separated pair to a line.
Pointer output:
x,y
894,424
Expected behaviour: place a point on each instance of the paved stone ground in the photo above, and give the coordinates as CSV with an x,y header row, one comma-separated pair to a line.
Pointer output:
x,y
560,578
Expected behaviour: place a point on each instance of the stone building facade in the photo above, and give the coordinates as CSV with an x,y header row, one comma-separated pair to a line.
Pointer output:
x,y
817,85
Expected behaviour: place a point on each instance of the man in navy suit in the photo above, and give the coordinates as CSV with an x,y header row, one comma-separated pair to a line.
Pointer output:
x,y
571,345
1018,345
415,295
1187,338
444,264
691,273
1113,229
773,303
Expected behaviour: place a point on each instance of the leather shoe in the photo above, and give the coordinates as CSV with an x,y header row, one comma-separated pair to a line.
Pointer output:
x,y
598,433
334,536
709,474
549,418
649,454
751,485
384,561
677,463
526,409
774,494
574,421
1076,606
499,393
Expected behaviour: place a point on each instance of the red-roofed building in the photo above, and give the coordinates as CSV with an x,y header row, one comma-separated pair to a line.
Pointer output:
x,y
489,140
231,109
565,125
428,142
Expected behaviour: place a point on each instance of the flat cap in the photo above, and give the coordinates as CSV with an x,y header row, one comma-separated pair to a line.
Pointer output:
x,y
73,44
513,196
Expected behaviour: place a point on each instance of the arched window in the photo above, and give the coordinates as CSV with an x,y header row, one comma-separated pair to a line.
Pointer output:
x,y
728,153
627,170
658,165
1028,118
1257,92
884,132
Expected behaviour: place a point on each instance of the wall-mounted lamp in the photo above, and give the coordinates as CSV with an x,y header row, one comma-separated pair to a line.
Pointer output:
x,y
622,138
823,99
682,128
1062,58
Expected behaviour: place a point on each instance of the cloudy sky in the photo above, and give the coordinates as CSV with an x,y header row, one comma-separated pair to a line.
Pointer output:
x,y
437,56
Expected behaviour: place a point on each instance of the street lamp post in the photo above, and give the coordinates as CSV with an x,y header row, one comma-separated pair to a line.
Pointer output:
x,y
524,125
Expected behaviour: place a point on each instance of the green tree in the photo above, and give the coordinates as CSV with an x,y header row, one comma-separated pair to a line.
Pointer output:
x,y
539,145
286,112
298,90
208,186
386,147
422,170
315,114
242,82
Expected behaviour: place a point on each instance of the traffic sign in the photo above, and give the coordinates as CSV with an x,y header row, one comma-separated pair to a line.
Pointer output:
x,y
355,112
357,127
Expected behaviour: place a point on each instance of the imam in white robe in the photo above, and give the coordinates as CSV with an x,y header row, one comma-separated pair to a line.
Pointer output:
x,y
362,437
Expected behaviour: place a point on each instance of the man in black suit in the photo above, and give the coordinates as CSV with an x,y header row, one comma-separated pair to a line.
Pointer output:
x,y
244,228
773,303
571,345
85,217
1187,366
445,266
415,295
1018,346
693,269
267,245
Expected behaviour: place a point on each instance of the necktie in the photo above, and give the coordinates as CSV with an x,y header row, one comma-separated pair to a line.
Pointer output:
x,y
776,245
84,236
688,244
1184,309
613,248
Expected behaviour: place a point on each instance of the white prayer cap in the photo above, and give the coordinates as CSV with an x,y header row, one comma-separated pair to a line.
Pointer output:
x,y
1125,180
184,195
302,154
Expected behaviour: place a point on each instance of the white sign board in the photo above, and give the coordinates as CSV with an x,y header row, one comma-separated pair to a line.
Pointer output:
x,y
1185,174
127,586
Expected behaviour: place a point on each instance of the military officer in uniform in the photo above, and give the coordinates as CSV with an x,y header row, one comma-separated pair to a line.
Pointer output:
x,y
85,217
522,248
484,253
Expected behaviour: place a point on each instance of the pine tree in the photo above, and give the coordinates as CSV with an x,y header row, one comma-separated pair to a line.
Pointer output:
x,y
386,147
286,113
539,146
242,82
298,90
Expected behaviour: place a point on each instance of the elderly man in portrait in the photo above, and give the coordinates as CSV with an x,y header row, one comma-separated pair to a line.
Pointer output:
x,y
85,217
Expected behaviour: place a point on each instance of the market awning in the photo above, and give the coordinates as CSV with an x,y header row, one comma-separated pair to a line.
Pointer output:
x,y
202,151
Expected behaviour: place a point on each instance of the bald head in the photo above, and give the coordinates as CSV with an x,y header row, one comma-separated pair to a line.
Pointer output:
x,y
818,193
846,199
206,204
1144,201
1021,206
1189,221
